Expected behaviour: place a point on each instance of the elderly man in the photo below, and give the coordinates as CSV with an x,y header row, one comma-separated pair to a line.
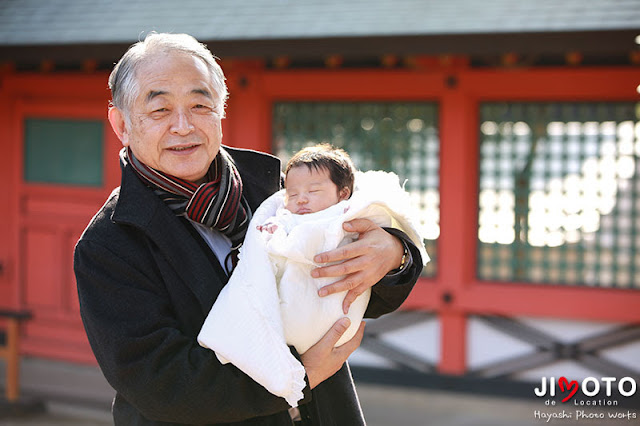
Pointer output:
x,y
153,260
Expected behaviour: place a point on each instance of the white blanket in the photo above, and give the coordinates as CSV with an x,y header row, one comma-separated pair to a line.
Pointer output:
x,y
271,301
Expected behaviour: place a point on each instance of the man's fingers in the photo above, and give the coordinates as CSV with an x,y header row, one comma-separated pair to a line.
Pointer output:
x,y
340,269
335,332
359,225
323,359
350,282
351,296
354,249
355,341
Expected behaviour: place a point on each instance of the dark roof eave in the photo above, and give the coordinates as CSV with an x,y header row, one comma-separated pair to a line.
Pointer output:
x,y
588,42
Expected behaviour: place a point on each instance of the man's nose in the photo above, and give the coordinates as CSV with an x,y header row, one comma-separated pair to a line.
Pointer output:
x,y
182,123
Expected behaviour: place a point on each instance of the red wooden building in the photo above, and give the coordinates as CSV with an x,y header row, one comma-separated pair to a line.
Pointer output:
x,y
516,123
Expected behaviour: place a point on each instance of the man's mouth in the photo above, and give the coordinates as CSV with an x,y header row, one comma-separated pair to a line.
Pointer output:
x,y
183,148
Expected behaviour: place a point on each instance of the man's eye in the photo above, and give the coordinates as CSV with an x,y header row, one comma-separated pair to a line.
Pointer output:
x,y
159,113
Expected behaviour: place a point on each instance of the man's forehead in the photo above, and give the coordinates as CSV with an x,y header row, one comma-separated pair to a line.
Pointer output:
x,y
173,74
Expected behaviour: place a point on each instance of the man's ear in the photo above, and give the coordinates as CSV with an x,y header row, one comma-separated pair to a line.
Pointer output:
x,y
119,125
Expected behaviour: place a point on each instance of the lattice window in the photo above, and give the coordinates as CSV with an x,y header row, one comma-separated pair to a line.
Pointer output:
x,y
558,193
391,136
63,151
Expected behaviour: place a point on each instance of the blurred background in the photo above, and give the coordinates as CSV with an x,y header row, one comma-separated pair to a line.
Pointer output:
x,y
515,124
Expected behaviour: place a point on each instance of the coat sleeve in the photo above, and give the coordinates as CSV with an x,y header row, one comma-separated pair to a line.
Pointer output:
x,y
139,341
390,292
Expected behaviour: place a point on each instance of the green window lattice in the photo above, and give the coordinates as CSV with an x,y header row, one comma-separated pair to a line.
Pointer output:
x,y
63,151
391,136
559,193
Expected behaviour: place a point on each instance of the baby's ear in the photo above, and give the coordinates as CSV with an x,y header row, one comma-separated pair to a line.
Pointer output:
x,y
344,193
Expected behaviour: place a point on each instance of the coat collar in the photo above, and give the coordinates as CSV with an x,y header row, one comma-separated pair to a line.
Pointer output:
x,y
260,172
139,207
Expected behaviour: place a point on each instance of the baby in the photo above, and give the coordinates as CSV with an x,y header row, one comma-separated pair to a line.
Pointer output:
x,y
316,177
271,301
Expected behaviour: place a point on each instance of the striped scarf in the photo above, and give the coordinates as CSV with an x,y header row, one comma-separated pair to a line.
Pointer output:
x,y
217,203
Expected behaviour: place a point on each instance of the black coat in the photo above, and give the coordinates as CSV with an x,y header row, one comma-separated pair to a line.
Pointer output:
x,y
146,282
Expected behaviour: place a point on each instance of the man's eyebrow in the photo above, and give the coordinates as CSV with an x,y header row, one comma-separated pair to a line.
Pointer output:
x,y
155,93
203,92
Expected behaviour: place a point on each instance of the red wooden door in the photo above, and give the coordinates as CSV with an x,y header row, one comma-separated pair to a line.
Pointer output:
x,y
63,166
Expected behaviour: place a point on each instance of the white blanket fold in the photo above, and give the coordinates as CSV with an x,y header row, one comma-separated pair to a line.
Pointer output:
x,y
271,301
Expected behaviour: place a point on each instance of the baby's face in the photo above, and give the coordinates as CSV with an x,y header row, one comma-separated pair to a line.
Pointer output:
x,y
309,190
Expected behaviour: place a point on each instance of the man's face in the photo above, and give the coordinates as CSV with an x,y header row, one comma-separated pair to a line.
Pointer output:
x,y
175,122
309,190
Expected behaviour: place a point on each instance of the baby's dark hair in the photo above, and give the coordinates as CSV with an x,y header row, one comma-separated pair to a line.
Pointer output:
x,y
325,157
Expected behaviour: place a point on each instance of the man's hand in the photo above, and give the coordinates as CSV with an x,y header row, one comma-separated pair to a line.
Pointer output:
x,y
364,262
323,360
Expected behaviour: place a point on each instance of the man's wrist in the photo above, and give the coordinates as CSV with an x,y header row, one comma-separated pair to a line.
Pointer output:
x,y
405,262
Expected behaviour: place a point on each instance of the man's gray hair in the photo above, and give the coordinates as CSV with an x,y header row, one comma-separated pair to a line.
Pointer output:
x,y
123,80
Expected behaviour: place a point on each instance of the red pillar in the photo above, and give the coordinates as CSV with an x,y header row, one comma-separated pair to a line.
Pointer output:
x,y
248,122
8,198
456,251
